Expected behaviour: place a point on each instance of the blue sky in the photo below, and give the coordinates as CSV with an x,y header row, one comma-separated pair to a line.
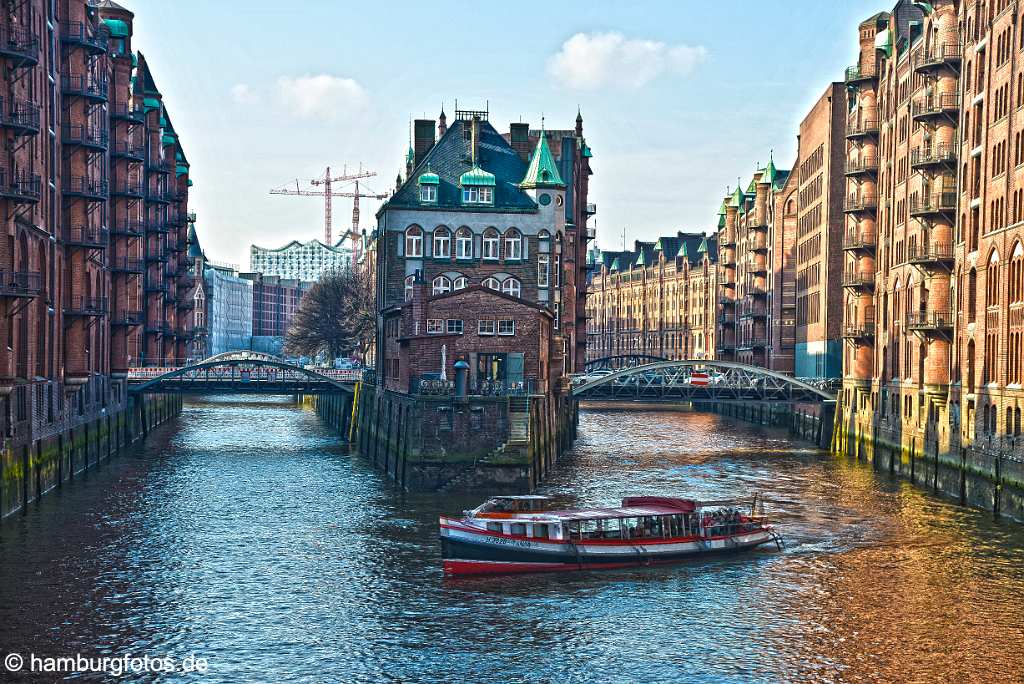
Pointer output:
x,y
678,98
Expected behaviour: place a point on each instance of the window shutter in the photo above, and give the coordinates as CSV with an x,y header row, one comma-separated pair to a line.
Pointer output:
x,y
401,244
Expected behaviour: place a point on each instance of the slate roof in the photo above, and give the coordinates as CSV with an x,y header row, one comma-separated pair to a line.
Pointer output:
x,y
542,171
449,158
194,250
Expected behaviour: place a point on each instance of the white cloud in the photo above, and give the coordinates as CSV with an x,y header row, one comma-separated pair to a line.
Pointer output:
x,y
588,61
322,96
241,93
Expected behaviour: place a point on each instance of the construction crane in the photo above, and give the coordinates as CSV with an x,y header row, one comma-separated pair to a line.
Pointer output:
x,y
327,193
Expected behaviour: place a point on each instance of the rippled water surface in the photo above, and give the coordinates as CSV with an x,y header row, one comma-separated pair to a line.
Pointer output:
x,y
244,533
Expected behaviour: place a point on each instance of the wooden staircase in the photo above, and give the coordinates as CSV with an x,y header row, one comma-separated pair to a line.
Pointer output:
x,y
518,420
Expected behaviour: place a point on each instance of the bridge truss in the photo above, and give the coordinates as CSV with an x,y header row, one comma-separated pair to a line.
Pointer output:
x,y
715,381
240,372
621,361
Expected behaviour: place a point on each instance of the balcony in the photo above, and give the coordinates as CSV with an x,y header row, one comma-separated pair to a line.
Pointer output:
x,y
591,209
91,137
157,257
156,286
591,232
856,74
950,54
936,203
860,167
177,218
726,347
859,330
90,189
856,241
126,265
88,307
727,301
128,188
939,104
17,284
728,261
726,239
78,34
160,328
751,291
857,280
860,129
157,227
855,204
757,269
87,238
759,248
942,155
159,195
753,312
126,317
21,119
756,224
930,321
127,228
19,46
159,166
725,319
128,149
125,112
753,342
89,86
20,187
938,255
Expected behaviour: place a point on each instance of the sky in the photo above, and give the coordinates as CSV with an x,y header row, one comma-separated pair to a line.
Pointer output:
x,y
678,98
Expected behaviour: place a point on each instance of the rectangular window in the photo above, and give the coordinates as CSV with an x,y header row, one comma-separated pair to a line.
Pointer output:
x,y
435,326
454,326
543,270
507,327
558,270
428,193
486,327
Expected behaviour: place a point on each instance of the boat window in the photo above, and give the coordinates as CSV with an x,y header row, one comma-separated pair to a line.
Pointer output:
x,y
588,529
611,529
630,527
574,530
518,529
540,530
494,527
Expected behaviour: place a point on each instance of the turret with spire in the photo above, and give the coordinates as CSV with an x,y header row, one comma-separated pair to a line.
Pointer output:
x,y
579,123
442,123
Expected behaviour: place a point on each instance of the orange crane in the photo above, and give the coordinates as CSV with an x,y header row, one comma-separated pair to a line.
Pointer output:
x,y
327,193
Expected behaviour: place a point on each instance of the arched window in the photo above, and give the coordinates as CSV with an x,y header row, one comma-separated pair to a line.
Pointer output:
x,y
513,244
543,241
491,284
511,286
491,242
972,295
459,283
442,243
992,280
1017,273
441,285
410,281
413,241
464,243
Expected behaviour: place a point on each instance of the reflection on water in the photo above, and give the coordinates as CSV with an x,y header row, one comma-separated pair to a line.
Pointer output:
x,y
242,532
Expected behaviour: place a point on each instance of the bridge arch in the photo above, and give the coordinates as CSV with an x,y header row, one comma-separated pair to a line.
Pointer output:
x,y
621,361
672,381
233,372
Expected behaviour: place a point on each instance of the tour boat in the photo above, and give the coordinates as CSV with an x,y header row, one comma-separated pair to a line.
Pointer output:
x,y
509,534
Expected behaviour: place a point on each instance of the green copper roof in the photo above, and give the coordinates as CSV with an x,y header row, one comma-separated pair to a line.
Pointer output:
x,y
190,183
151,103
926,7
703,248
194,250
542,170
476,176
737,198
135,62
181,169
752,187
615,264
117,28
684,251
721,209
770,172
587,153
640,261
429,178
721,222
169,139
410,155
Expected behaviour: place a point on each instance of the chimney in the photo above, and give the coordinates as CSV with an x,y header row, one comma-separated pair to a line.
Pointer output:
x,y
474,140
519,139
422,138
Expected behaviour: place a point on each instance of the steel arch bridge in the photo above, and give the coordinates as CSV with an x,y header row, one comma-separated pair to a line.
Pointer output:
x,y
621,361
240,372
673,381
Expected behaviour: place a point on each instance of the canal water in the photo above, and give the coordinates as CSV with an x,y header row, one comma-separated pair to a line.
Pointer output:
x,y
242,533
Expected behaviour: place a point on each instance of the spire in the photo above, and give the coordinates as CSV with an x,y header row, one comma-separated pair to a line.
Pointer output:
x,y
442,122
542,171
579,122
770,172
194,250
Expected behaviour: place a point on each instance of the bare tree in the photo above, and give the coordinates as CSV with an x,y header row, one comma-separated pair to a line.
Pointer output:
x,y
337,316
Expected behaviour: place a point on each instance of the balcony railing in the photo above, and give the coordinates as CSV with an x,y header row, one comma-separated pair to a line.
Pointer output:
x,y
858,280
125,112
727,318
126,317
859,330
20,46
928,253
159,195
126,265
20,187
20,283
87,306
127,227
936,104
156,285
156,257
157,227
856,74
159,166
747,311
89,238
855,240
591,232
855,167
855,129
93,137
936,203
88,86
944,154
591,209
128,149
726,239
92,189
21,118
757,269
727,301
930,321
128,188
938,55
862,203
753,342
77,33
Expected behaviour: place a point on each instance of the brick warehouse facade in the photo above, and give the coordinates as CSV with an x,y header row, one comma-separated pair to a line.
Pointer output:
x,y
94,186
932,366
480,260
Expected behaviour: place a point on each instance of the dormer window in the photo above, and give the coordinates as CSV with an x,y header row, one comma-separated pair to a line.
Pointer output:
x,y
475,195
428,187
477,186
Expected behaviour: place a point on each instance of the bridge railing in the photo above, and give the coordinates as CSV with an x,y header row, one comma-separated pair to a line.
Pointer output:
x,y
255,372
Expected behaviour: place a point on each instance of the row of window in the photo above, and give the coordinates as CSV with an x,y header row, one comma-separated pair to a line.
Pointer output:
x,y
455,326
443,284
